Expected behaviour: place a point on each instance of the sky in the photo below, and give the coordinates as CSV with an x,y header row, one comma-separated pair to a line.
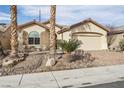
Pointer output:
x,y
68,14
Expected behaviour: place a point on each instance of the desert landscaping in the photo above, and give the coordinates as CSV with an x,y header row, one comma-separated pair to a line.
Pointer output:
x,y
36,62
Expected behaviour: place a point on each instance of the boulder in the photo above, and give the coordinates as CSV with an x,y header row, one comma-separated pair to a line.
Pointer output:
x,y
50,62
8,63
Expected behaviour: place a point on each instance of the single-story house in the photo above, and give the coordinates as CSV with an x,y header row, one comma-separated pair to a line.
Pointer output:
x,y
92,34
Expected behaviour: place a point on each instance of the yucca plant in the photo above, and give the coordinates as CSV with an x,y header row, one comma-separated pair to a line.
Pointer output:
x,y
68,47
71,45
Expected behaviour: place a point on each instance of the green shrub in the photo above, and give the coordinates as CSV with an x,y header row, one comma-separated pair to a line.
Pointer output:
x,y
121,45
70,46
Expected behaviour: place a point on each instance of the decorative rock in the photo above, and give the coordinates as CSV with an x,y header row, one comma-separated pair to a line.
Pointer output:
x,y
8,63
59,56
50,62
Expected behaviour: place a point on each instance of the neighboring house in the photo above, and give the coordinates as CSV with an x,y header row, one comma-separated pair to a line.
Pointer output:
x,y
92,34
32,34
118,34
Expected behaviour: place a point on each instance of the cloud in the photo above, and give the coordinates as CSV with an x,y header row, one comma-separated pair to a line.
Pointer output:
x,y
68,14
4,16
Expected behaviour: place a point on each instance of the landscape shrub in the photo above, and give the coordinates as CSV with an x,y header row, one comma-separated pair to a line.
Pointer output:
x,y
121,45
68,47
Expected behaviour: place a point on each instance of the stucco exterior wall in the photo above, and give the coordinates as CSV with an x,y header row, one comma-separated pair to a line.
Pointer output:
x,y
67,35
36,28
59,36
44,40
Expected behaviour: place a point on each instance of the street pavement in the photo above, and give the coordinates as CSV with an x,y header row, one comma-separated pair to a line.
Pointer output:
x,y
117,84
96,77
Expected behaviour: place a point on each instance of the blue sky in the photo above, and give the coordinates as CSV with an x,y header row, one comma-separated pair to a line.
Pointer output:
x,y
68,14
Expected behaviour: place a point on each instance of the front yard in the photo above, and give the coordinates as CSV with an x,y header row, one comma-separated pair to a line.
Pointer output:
x,y
36,62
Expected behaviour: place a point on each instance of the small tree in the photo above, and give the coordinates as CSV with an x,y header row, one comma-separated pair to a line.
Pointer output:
x,y
121,45
68,47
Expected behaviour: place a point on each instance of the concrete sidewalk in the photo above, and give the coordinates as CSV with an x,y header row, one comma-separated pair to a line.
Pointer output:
x,y
67,78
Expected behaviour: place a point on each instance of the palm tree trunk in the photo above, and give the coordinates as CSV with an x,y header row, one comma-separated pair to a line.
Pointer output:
x,y
52,31
51,60
13,40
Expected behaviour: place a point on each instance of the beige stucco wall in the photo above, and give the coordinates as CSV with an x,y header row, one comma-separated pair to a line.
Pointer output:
x,y
67,35
44,40
91,43
36,28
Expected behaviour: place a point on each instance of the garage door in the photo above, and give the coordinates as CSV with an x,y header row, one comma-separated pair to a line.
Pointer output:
x,y
90,43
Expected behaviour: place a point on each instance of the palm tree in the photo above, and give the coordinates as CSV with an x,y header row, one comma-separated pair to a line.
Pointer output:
x,y
14,42
51,60
52,31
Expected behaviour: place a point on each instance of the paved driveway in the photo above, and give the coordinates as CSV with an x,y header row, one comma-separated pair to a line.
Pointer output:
x,y
86,77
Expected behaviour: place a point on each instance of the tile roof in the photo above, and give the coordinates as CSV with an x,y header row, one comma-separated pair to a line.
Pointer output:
x,y
83,22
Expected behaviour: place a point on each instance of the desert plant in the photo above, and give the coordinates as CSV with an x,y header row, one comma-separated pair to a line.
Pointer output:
x,y
70,46
121,45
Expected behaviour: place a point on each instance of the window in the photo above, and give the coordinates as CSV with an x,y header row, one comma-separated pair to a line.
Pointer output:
x,y
34,38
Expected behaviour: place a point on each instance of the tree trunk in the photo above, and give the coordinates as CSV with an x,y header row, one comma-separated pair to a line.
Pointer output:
x,y
14,41
52,31
51,61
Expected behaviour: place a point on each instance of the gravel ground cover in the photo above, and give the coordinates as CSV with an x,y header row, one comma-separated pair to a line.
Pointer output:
x,y
36,63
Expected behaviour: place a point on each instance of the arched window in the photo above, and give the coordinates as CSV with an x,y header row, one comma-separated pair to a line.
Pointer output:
x,y
34,38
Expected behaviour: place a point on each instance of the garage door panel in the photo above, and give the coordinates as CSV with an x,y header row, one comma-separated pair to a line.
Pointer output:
x,y
90,43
